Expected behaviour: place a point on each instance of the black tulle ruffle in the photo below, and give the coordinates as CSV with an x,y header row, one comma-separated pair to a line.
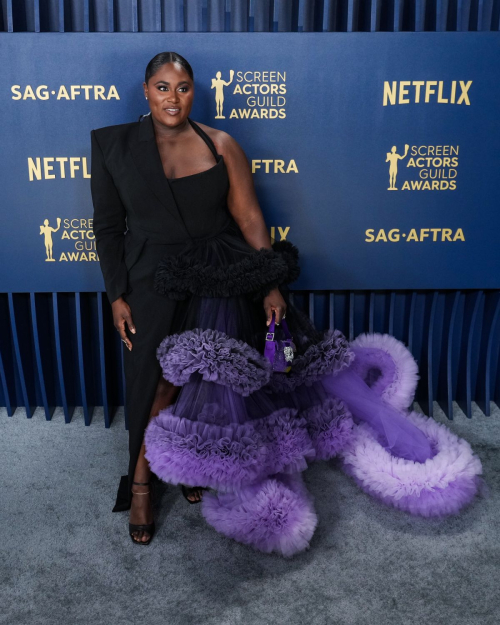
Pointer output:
x,y
210,273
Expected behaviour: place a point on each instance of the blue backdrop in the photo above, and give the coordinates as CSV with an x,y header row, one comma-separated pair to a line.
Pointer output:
x,y
376,155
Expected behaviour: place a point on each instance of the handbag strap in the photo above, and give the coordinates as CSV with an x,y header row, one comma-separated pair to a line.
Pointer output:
x,y
272,326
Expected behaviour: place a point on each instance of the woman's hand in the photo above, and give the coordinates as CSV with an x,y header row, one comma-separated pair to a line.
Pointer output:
x,y
274,301
122,316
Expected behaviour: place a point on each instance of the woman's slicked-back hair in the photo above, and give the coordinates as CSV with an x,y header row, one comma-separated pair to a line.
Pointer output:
x,y
166,57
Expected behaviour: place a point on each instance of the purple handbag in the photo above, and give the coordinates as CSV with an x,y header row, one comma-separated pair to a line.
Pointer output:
x,y
279,352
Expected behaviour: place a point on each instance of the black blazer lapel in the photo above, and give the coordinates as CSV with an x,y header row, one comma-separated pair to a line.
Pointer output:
x,y
147,159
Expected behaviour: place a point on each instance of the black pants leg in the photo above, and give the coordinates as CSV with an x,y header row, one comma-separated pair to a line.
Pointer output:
x,y
152,315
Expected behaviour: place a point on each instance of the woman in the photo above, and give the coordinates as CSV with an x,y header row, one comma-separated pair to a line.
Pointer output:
x,y
194,283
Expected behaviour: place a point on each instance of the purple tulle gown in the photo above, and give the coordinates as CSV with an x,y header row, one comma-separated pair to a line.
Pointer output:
x,y
247,433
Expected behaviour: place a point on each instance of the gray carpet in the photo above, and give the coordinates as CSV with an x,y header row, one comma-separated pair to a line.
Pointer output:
x,y
66,559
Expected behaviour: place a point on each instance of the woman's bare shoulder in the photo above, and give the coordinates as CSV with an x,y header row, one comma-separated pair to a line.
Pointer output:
x,y
224,142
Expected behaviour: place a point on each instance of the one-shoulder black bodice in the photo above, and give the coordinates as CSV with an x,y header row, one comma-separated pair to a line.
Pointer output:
x,y
218,157
201,198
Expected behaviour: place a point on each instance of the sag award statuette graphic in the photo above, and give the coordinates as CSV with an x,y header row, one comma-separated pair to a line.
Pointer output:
x,y
218,84
393,157
47,231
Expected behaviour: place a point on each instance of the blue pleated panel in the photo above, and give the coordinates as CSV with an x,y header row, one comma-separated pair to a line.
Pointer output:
x,y
247,15
61,349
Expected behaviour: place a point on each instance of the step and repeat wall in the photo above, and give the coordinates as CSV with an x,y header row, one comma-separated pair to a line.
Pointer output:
x,y
376,155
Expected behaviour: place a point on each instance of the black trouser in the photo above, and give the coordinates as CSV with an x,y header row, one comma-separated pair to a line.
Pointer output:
x,y
152,315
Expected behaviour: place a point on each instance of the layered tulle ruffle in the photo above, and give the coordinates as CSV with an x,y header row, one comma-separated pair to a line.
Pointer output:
x,y
216,357
248,433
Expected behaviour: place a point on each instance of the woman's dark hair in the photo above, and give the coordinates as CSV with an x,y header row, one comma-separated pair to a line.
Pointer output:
x,y
166,57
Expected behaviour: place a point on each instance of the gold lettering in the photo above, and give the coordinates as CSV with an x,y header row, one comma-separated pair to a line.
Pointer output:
x,y
34,169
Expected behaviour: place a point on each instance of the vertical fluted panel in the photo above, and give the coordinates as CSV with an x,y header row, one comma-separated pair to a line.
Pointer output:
x,y
9,18
375,10
331,311
307,12
419,16
429,354
215,16
286,14
489,352
81,359
7,375
19,326
411,321
311,306
173,16
102,360
468,350
350,331
463,15
238,12
41,348
194,16
246,15
392,306
484,14
4,388
444,353
63,353
454,337
352,15
397,18
149,15
371,311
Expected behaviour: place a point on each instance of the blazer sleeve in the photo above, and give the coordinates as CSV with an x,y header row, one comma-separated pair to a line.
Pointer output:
x,y
109,224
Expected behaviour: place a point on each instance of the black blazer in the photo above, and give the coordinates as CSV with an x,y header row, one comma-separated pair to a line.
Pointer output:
x,y
130,192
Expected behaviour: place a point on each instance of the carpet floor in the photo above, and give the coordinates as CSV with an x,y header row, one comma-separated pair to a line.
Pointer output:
x,y
66,559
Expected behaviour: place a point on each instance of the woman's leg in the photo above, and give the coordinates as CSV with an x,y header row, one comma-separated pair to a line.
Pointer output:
x,y
141,511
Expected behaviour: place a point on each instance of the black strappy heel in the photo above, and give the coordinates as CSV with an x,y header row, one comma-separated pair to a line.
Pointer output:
x,y
146,527
186,492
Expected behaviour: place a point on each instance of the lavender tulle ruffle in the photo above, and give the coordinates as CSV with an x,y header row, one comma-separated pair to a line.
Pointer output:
x,y
248,433
216,357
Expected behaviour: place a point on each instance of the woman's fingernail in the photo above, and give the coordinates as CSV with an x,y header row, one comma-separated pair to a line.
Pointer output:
x,y
133,330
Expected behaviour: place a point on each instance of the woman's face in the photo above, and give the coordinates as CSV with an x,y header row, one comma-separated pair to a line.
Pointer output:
x,y
170,94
